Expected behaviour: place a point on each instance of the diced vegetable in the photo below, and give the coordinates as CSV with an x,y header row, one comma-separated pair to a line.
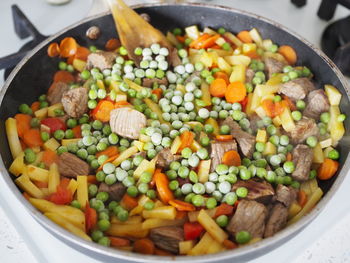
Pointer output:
x,y
37,174
51,144
53,178
157,222
203,170
26,185
82,190
165,212
192,32
51,110
335,127
238,73
12,137
210,225
18,167
334,96
185,246
261,136
287,120
125,155
132,230
318,154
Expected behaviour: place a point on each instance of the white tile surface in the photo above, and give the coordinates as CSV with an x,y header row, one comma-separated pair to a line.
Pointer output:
x,y
327,239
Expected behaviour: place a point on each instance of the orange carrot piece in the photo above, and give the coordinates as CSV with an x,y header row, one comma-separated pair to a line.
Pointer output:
x,y
119,242
218,88
112,44
231,158
63,76
252,54
144,246
327,169
187,138
181,205
68,47
209,42
110,159
53,50
121,104
224,209
64,182
158,92
245,37
224,137
288,53
289,103
82,53
110,151
32,138
235,92
197,44
23,145
92,179
215,47
102,110
180,214
77,131
128,202
162,184
222,75
229,244
49,157
289,157
180,38
279,107
302,198
70,60
23,123
269,107
35,106
161,252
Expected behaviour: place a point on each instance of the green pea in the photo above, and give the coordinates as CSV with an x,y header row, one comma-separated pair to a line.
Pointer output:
x,y
132,191
224,129
341,118
245,174
45,136
301,105
61,149
75,204
59,134
29,155
34,122
198,200
260,146
288,167
24,108
92,189
151,194
297,115
84,119
69,134
312,141
149,205
183,172
96,235
271,129
270,176
186,152
103,196
312,174
143,188
103,224
123,215
221,169
222,220
205,141
242,192
243,237
333,154
100,176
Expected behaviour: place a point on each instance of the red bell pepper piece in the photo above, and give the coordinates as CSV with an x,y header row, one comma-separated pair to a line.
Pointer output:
x,y
62,196
90,217
54,124
192,230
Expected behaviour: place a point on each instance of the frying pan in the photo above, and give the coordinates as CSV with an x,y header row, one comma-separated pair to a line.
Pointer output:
x,y
34,73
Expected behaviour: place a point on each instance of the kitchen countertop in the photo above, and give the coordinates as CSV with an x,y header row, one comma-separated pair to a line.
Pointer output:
x,y
326,239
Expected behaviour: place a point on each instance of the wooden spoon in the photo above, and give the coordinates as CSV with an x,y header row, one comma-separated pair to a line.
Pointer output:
x,y
134,31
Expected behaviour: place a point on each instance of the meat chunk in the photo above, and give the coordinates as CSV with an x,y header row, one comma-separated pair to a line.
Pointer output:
x,y
174,58
277,220
303,129
249,75
165,157
285,195
55,92
258,191
317,102
297,89
250,216
273,66
75,101
146,82
70,165
101,60
245,140
217,151
167,238
127,122
302,159
254,119
115,191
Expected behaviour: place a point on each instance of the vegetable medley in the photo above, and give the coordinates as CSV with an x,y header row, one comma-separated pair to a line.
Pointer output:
x,y
217,143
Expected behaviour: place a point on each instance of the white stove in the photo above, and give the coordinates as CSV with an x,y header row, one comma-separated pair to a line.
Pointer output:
x,y
22,239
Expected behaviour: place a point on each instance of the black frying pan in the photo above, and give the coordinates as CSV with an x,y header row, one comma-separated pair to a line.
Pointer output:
x,y
33,76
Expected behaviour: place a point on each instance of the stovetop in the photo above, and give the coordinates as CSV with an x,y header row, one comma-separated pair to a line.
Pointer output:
x,y
22,238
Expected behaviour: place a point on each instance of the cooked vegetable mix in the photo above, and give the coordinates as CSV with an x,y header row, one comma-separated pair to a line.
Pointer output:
x,y
214,144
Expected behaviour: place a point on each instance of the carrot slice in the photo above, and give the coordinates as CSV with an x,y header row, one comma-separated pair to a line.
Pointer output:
x,y
279,107
158,92
224,137
180,38
119,242
110,159
77,131
180,214
181,205
32,138
229,244
235,92
222,75
269,107
231,158
162,184
102,110
112,44
82,53
53,50
209,42
35,106
290,103
218,88
68,47
302,198
289,157
327,169
23,123
224,209
128,202
63,76
197,44
187,138
110,151
245,37
49,157
144,246
288,53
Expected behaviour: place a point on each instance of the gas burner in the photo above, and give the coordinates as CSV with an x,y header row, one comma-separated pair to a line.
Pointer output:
x,y
23,28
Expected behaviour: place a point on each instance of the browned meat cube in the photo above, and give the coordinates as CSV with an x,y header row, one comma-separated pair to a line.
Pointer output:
x,y
217,152
55,92
285,195
250,216
245,140
167,238
75,101
70,165
302,159
127,122
258,191
249,75
115,191
174,58
303,129
277,220
273,66
317,102
165,157
146,82
297,89
101,60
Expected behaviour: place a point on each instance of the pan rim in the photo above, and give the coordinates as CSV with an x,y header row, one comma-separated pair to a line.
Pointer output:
x,y
237,253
